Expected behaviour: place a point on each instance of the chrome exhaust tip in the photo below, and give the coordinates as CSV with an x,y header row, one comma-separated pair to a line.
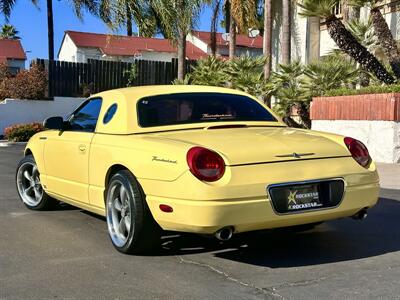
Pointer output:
x,y
361,215
224,234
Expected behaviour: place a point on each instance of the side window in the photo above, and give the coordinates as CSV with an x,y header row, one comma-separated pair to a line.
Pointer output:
x,y
85,117
110,113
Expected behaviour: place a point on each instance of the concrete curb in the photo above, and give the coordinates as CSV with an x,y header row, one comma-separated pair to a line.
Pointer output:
x,y
5,143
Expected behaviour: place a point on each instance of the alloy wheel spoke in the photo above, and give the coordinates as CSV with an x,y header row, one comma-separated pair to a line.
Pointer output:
x,y
121,227
37,193
27,176
28,190
122,194
117,204
35,172
128,223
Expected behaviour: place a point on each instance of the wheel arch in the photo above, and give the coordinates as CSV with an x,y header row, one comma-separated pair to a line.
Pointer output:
x,y
112,170
27,152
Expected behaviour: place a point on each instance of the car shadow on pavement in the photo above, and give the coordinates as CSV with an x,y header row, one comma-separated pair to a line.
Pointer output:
x,y
335,241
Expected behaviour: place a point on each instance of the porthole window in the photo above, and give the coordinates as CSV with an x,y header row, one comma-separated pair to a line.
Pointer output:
x,y
110,113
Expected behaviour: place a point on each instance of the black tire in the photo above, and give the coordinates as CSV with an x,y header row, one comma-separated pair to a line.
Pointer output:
x,y
35,201
144,233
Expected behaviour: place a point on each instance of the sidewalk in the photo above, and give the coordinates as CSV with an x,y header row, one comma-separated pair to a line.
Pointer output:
x,y
389,175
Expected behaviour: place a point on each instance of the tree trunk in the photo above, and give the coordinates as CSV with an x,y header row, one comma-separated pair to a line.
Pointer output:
x,y
50,29
181,55
267,47
232,37
214,27
227,15
286,20
347,43
386,40
128,20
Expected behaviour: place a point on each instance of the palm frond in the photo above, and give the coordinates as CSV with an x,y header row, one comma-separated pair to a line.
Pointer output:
x,y
244,13
317,8
6,7
330,73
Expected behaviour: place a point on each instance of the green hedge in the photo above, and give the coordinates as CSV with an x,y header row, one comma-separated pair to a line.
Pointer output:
x,y
373,89
22,132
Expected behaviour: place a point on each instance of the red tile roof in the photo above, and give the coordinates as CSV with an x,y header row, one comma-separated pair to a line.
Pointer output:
x,y
11,49
242,40
117,45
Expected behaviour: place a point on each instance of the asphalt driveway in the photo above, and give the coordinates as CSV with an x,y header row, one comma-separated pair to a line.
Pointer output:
x,y
66,254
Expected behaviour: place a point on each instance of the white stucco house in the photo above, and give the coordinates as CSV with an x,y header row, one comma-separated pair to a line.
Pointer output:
x,y
81,46
310,39
12,54
244,44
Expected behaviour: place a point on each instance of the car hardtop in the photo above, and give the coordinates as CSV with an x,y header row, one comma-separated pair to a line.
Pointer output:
x,y
125,119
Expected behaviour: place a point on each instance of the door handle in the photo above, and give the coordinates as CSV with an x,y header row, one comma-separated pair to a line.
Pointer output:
x,y
82,148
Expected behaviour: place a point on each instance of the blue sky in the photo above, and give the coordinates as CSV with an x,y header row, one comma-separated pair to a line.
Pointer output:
x,y
31,22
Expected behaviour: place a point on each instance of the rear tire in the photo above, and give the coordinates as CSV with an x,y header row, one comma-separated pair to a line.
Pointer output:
x,y
131,226
29,187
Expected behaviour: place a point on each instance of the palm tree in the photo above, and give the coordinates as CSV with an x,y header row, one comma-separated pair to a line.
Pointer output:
x,y
128,19
239,16
122,13
343,38
6,7
328,74
9,32
365,35
286,21
176,19
382,31
267,39
216,5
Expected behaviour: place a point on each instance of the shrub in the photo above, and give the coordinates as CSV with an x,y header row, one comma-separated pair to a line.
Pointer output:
x,y
22,132
27,84
373,89
244,73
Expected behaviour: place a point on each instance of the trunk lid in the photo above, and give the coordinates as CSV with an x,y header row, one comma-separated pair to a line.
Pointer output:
x,y
253,145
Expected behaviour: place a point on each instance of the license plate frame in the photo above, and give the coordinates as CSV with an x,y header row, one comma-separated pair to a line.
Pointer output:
x,y
314,195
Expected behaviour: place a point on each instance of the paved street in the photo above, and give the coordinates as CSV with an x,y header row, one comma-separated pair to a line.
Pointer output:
x,y
67,254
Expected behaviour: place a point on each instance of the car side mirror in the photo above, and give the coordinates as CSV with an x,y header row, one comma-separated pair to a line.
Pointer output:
x,y
56,123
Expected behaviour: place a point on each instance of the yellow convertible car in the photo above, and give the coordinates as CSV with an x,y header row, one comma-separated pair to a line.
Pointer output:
x,y
192,159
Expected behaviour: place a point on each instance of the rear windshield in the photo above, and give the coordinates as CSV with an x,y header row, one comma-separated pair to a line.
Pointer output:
x,y
185,108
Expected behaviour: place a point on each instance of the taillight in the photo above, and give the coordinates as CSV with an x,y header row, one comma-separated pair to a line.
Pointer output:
x,y
358,151
205,164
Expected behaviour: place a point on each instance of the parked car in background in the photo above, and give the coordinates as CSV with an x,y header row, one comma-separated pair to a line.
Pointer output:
x,y
192,159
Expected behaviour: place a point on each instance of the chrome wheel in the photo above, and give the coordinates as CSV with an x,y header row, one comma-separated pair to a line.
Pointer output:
x,y
28,183
119,216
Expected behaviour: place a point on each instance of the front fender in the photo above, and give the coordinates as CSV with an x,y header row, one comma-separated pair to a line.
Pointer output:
x,y
35,146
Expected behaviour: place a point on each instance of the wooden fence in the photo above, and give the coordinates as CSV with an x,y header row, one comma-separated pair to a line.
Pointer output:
x,y
70,79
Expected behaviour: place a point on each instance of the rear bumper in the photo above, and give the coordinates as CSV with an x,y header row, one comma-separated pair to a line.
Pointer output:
x,y
207,217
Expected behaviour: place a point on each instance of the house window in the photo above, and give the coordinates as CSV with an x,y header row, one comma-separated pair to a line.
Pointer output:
x,y
13,70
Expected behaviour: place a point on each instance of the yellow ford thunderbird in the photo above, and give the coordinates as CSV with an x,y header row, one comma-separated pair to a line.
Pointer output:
x,y
192,159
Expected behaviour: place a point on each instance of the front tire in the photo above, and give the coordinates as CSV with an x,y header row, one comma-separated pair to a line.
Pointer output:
x,y
29,187
131,226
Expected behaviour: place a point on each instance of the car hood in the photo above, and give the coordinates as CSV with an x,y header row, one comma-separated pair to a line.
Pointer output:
x,y
253,145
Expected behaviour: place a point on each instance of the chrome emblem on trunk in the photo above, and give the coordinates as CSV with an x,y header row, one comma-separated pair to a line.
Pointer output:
x,y
295,155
